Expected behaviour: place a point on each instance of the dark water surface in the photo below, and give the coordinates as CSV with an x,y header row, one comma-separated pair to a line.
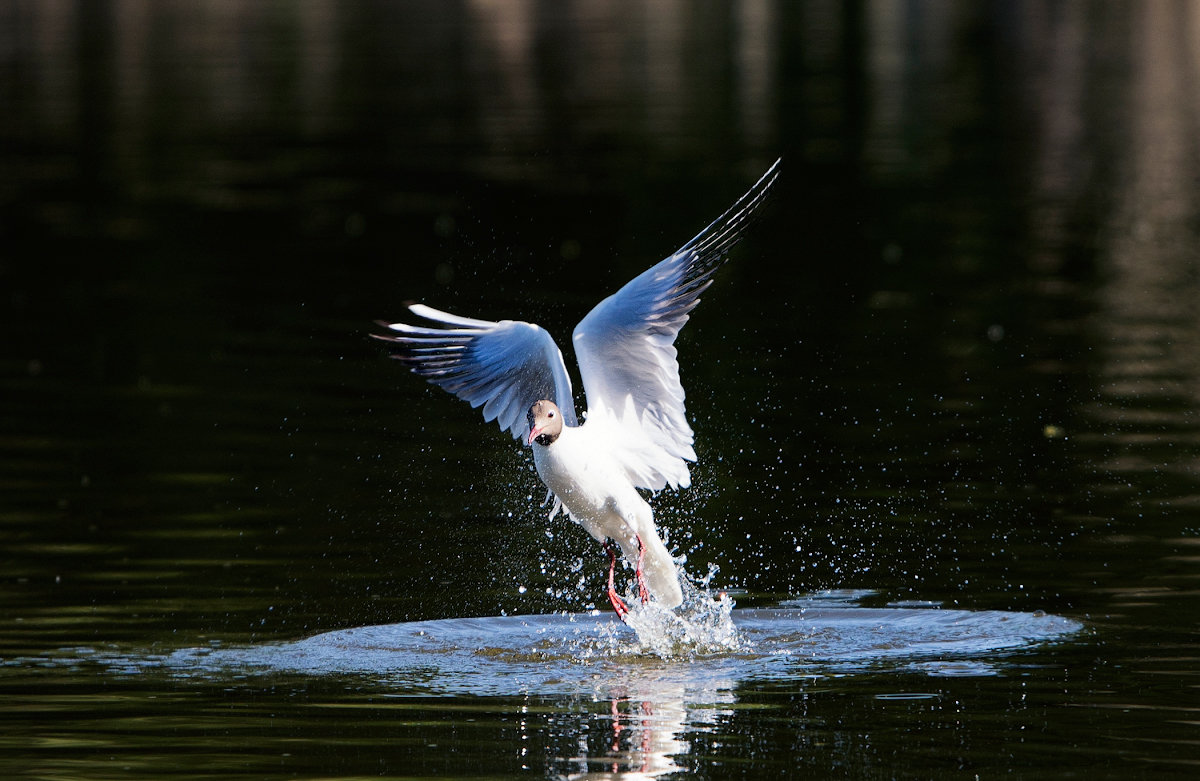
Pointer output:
x,y
946,394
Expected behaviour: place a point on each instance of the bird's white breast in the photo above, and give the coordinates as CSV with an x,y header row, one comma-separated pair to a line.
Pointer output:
x,y
579,468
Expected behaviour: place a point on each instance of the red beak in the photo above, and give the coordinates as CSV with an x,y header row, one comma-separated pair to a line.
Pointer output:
x,y
533,434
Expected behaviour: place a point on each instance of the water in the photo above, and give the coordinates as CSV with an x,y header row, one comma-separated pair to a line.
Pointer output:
x,y
594,653
944,395
659,697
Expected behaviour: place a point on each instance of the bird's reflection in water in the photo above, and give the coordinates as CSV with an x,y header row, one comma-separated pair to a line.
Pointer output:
x,y
641,735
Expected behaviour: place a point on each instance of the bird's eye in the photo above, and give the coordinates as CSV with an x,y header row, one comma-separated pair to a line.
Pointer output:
x,y
550,415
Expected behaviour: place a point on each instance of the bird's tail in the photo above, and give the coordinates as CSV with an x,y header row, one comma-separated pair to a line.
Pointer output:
x,y
659,570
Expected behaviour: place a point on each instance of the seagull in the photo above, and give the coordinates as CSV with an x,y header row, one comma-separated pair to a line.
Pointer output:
x,y
635,434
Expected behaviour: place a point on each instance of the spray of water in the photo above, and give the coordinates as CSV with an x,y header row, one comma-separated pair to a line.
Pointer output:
x,y
701,626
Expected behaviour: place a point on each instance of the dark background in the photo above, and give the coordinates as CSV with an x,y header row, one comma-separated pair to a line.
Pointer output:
x,y
957,359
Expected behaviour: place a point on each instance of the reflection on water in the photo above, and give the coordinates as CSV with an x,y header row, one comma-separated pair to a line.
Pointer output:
x,y
653,702
957,363
138,102
1147,323
645,738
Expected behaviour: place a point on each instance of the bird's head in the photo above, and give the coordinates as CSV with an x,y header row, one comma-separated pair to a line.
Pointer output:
x,y
545,422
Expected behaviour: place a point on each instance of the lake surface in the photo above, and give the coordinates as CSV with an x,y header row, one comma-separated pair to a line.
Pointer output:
x,y
946,393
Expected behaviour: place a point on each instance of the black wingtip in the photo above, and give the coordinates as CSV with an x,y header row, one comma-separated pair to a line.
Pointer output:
x,y
725,231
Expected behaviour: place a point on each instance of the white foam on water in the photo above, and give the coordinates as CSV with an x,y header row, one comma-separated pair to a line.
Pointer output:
x,y
702,625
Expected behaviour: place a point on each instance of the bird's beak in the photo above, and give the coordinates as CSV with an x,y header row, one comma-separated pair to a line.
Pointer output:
x,y
533,434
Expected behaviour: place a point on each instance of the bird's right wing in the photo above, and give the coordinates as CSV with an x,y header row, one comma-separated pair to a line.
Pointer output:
x,y
504,367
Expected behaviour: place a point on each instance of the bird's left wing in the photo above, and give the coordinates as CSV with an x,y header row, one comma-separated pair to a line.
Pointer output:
x,y
504,367
627,356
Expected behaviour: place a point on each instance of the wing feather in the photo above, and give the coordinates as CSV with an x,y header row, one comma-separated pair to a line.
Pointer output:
x,y
503,367
627,355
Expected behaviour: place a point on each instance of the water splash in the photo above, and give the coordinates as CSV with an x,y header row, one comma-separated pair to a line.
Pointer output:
x,y
702,625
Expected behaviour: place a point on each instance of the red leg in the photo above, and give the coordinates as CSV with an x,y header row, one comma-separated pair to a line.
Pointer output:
x,y
617,603
641,579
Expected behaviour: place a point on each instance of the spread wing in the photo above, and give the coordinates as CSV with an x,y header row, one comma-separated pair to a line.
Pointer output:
x,y
504,367
627,356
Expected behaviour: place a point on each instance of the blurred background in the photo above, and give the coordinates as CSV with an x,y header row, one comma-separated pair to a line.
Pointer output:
x,y
955,360
954,363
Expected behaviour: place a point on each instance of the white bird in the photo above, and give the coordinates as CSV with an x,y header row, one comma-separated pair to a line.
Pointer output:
x,y
635,435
